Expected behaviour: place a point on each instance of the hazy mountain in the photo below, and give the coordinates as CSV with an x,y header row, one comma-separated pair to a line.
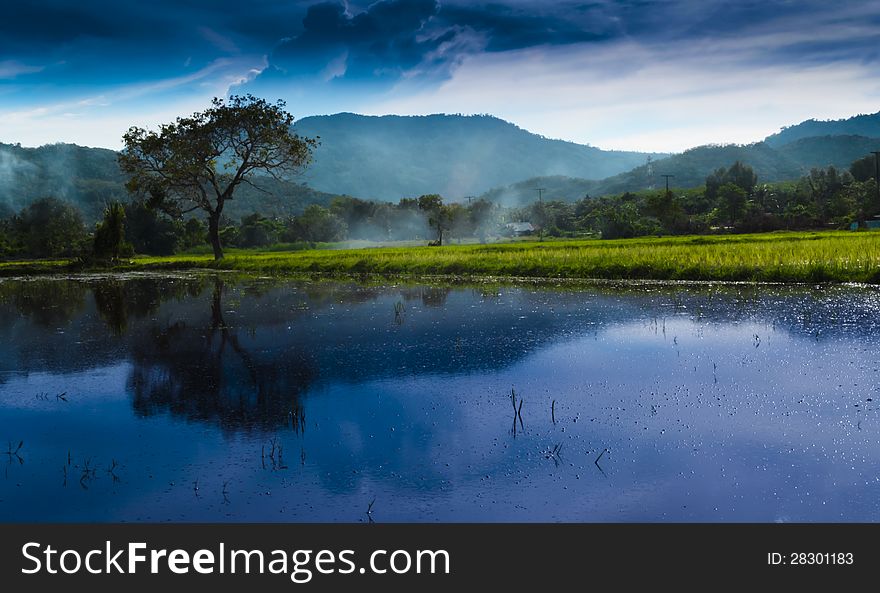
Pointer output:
x,y
690,168
391,157
90,178
859,125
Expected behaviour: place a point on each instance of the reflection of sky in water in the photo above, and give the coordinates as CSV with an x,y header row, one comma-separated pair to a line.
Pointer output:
x,y
734,404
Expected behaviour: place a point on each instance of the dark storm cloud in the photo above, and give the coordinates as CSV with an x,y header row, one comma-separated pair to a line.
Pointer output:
x,y
385,38
507,28
110,41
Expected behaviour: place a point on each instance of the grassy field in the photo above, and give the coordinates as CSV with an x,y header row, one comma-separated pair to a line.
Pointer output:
x,y
832,256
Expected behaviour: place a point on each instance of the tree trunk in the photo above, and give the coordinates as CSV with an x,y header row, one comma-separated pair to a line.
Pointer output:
x,y
214,235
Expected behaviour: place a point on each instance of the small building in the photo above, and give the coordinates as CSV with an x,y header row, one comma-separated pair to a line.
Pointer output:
x,y
519,229
871,225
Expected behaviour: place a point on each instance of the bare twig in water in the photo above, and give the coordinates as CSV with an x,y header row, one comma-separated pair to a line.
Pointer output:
x,y
555,454
14,452
87,475
296,418
112,470
597,462
553,411
225,492
370,510
61,396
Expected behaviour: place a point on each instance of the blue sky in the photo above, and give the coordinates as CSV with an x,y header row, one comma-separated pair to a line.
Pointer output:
x,y
659,75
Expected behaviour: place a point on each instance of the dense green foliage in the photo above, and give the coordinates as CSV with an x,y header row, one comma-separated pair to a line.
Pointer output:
x,y
47,228
109,240
731,200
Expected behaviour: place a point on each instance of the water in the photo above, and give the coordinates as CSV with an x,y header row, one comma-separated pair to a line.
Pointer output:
x,y
195,398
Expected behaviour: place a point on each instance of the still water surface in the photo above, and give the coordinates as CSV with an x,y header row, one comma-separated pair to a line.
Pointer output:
x,y
196,398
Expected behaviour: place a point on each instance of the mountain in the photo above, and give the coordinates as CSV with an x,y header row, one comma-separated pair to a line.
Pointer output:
x,y
392,157
90,178
859,125
690,168
87,177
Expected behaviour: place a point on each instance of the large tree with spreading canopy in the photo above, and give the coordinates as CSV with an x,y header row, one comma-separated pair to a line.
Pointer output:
x,y
197,162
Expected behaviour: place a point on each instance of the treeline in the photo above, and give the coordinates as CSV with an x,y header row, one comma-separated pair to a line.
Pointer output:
x,y
731,200
52,228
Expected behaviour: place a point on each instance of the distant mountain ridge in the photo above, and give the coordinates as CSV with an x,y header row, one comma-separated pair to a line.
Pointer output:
x,y
90,178
858,125
390,157
690,168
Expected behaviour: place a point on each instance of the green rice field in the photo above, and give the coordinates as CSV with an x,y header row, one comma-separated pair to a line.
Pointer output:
x,y
827,256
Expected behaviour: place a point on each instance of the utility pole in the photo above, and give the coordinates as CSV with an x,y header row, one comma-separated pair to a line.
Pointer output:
x,y
667,181
541,191
876,154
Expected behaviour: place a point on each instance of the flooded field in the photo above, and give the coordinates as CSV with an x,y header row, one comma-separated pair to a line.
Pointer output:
x,y
202,398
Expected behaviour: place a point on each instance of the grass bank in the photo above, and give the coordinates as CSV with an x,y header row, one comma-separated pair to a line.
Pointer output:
x,y
832,256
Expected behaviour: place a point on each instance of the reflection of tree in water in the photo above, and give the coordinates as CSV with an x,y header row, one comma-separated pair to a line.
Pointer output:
x,y
48,303
119,300
205,372
431,296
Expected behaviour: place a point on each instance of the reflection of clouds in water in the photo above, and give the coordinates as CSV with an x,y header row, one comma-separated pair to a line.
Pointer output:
x,y
700,422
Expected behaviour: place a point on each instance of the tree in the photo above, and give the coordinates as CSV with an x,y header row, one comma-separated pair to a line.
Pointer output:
x,y
316,224
150,232
732,202
864,168
109,242
439,216
197,162
739,174
257,231
50,228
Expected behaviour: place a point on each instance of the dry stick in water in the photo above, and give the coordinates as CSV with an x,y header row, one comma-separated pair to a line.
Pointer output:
x,y
370,510
553,411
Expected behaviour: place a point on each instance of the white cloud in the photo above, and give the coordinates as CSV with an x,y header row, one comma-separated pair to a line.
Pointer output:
x,y
100,120
11,68
661,98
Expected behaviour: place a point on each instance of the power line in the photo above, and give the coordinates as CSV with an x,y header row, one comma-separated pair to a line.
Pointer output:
x,y
540,191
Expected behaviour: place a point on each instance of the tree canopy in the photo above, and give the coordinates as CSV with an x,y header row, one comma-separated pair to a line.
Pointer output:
x,y
198,162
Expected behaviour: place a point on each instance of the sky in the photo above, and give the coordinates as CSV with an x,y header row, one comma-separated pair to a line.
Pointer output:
x,y
650,75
